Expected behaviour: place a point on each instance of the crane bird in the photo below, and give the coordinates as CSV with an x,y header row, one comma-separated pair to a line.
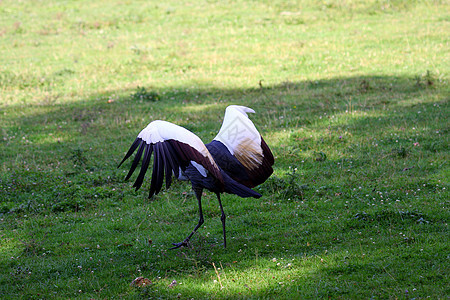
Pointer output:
x,y
236,160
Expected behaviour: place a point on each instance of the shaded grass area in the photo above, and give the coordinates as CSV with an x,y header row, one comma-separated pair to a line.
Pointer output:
x,y
351,203
352,98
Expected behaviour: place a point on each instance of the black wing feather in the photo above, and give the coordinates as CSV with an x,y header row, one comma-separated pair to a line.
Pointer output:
x,y
133,147
180,152
144,166
167,164
164,162
158,171
136,160
174,159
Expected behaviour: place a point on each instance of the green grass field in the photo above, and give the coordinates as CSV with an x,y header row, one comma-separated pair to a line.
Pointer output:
x,y
351,96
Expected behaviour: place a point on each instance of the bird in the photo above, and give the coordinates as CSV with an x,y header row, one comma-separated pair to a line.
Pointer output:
x,y
235,161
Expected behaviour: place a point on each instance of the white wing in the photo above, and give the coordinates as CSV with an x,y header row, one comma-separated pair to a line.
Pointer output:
x,y
239,135
174,147
242,139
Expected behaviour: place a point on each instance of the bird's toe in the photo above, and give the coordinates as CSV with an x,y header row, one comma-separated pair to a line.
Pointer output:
x,y
178,245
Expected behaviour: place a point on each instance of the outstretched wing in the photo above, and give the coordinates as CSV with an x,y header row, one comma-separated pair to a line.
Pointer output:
x,y
174,147
243,141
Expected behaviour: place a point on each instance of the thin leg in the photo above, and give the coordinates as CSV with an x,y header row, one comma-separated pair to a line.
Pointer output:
x,y
185,243
222,218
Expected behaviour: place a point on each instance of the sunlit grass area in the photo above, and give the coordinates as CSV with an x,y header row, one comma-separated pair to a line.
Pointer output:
x,y
352,98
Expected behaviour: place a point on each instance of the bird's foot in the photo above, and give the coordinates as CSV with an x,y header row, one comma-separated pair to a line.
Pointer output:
x,y
184,243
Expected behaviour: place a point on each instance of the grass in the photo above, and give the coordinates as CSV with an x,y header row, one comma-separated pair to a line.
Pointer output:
x,y
352,98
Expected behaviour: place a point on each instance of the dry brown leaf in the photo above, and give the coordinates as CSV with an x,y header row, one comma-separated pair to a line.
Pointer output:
x,y
141,281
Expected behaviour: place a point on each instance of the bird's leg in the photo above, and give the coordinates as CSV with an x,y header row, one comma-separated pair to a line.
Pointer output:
x,y
222,218
185,243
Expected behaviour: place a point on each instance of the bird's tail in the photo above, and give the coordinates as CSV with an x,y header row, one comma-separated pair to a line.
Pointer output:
x,y
234,187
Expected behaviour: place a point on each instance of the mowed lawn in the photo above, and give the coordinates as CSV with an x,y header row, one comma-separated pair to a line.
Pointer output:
x,y
351,96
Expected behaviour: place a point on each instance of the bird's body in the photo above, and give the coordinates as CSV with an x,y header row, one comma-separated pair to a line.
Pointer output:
x,y
237,159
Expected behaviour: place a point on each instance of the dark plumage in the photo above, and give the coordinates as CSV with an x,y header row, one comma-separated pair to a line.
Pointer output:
x,y
237,159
